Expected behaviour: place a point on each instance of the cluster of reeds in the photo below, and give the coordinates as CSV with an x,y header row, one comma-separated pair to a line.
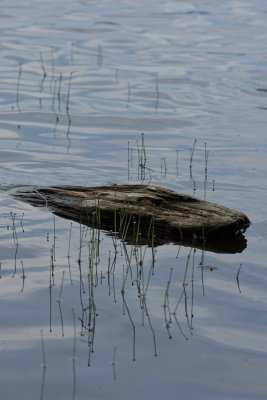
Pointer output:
x,y
123,268
54,82
143,171
131,258
128,257
55,85
169,169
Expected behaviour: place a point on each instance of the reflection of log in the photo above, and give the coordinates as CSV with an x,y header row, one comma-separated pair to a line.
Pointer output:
x,y
132,209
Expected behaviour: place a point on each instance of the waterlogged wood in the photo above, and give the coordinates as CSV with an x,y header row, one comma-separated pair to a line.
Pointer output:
x,y
146,214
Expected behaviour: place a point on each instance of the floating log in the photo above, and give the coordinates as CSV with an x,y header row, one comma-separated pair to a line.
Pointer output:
x,y
146,214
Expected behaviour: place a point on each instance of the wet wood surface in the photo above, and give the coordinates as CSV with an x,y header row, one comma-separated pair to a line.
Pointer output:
x,y
146,214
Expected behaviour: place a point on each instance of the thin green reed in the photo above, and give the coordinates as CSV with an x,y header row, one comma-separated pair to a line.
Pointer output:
x,y
52,66
59,92
42,64
72,53
68,93
91,309
44,73
144,307
192,292
192,150
128,259
166,306
132,324
23,275
163,167
141,150
54,96
206,161
114,363
59,301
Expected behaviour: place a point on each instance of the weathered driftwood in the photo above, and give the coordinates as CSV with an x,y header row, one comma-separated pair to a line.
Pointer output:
x,y
150,214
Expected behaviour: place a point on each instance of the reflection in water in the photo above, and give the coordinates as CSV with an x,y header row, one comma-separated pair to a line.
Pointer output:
x,y
43,365
109,271
135,265
67,111
99,56
127,278
44,72
138,274
237,278
68,134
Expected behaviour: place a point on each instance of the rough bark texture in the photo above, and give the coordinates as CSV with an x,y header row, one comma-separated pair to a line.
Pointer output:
x,y
148,214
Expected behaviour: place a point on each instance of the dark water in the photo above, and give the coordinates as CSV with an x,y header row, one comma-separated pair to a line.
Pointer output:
x,y
80,82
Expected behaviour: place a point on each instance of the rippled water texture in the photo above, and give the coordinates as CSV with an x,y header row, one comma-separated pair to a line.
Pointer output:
x,y
81,81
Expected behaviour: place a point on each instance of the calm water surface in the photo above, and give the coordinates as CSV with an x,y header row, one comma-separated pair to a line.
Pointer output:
x,y
80,82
